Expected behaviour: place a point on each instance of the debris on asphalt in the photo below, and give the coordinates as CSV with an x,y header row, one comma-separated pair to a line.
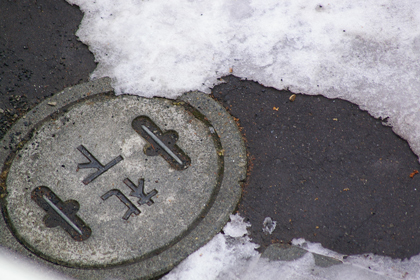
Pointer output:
x,y
292,97
413,173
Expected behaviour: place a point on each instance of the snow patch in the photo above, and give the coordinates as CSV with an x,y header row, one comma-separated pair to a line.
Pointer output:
x,y
226,256
269,225
366,52
14,267
235,258
236,227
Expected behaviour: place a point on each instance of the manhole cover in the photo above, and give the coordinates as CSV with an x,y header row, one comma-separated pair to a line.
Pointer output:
x,y
125,183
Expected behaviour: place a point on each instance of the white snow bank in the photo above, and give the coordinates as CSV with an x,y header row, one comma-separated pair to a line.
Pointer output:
x,y
224,257
15,267
232,258
367,52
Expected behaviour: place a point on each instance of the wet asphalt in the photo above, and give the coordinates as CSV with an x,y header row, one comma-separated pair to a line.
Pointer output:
x,y
322,169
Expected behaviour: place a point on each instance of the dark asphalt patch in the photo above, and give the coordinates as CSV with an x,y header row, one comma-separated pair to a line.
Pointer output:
x,y
325,171
39,54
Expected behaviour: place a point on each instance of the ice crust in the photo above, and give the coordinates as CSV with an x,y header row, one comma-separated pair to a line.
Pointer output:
x,y
367,52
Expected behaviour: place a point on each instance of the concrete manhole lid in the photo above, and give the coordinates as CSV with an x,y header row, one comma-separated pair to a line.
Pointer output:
x,y
98,180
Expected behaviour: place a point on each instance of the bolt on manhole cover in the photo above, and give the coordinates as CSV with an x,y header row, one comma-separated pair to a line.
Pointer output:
x,y
125,183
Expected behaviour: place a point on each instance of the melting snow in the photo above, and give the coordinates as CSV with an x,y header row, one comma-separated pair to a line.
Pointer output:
x,y
367,52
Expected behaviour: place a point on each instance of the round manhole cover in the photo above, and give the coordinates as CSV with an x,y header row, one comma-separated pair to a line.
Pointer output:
x,y
132,184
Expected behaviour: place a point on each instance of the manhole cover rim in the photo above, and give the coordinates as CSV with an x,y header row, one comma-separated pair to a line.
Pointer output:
x,y
15,221
216,218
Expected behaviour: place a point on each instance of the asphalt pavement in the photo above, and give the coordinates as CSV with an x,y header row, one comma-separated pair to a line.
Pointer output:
x,y
325,171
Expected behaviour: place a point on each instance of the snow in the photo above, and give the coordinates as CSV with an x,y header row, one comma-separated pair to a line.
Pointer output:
x,y
367,52
234,257
269,225
237,227
14,267
224,257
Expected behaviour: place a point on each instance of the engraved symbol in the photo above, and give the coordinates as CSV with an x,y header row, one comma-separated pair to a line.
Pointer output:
x,y
136,191
94,163
131,207
163,144
61,213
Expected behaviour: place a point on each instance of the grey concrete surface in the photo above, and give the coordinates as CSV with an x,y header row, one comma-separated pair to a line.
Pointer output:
x,y
176,212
